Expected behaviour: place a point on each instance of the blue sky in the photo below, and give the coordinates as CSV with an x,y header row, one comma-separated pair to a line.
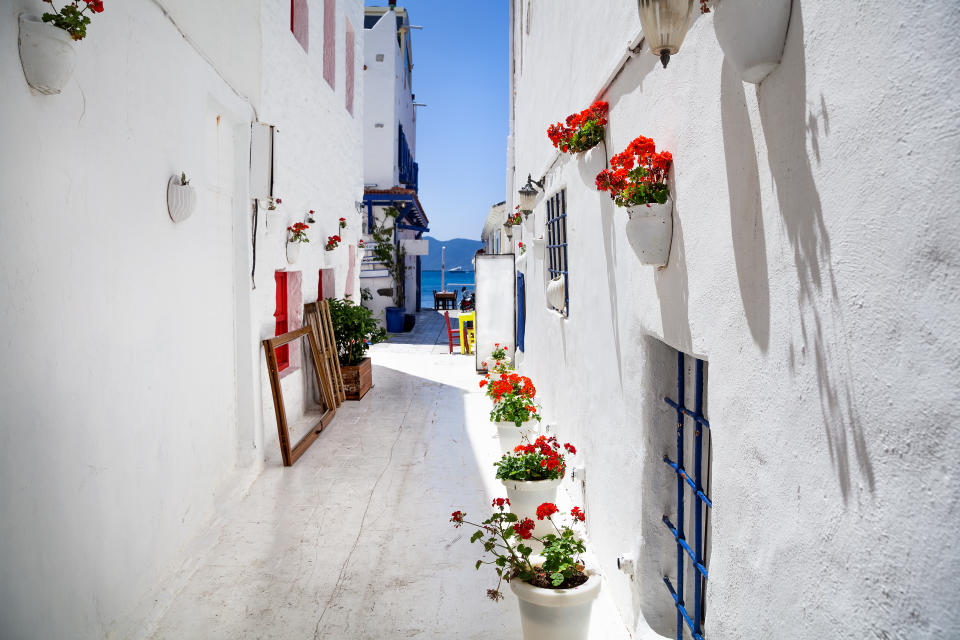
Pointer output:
x,y
461,70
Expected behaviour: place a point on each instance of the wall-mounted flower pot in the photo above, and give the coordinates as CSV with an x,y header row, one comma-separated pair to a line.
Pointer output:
x,y
181,199
650,232
357,379
752,34
395,319
47,54
293,252
591,162
557,293
556,614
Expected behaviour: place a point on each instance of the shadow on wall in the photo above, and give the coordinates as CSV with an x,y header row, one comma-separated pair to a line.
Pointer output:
x,y
673,288
786,119
746,210
657,553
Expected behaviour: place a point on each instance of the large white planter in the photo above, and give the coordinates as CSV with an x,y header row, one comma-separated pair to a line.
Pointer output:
x,y
47,54
591,162
752,34
650,232
557,293
556,614
511,435
293,252
525,497
181,199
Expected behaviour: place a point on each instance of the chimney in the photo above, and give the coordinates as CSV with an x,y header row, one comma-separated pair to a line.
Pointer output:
x,y
393,4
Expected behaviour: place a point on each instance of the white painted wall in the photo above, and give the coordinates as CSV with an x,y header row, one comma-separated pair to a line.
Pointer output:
x,y
133,408
380,82
814,265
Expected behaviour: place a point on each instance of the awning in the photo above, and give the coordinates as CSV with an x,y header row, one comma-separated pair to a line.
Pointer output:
x,y
406,202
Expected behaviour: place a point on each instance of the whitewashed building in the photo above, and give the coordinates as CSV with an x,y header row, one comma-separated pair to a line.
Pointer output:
x,y
496,237
811,287
391,173
135,398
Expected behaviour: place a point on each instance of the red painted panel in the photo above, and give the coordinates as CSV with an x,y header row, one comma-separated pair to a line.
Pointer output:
x,y
300,22
330,42
283,353
349,62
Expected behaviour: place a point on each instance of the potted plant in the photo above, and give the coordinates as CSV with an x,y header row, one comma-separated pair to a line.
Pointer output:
x,y
343,223
514,408
272,203
531,474
47,44
297,236
310,217
181,197
752,34
637,180
332,243
580,131
556,591
394,259
354,329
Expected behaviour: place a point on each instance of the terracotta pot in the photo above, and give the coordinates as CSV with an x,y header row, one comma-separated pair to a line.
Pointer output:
x,y
47,54
556,614
357,379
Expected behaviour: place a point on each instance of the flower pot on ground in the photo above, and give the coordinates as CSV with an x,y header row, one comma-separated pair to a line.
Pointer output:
x,y
354,330
357,379
297,235
531,474
512,435
752,34
514,407
556,614
395,319
555,590
47,54
638,177
650,232
181,198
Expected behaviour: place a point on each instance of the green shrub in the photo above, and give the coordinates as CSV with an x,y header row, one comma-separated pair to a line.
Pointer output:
x,y
354,329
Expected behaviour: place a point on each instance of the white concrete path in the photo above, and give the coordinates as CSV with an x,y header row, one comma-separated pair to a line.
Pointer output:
x,y
354,541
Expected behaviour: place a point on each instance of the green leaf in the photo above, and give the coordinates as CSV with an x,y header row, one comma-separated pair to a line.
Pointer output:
x,y
479,562
510,517
476,535
556,579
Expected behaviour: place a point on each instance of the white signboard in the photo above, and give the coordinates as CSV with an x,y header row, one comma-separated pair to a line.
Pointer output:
x,y
496,302
415,247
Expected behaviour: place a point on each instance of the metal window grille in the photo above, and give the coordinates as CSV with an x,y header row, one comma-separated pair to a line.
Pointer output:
x,y
521,311
556,230
695,483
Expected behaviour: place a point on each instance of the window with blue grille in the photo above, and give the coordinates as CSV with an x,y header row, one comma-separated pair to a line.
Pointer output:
x,y
558,285
521,311
689,524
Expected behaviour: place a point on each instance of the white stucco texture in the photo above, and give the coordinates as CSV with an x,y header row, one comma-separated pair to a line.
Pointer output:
x,y
814,265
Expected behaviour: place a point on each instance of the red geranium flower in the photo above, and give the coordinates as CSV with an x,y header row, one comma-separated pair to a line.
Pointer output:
x,y
457,518
499,502
524,528
578,514
546,510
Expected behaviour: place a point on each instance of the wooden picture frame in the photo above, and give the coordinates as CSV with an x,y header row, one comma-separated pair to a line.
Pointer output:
x,y
317,315
292,453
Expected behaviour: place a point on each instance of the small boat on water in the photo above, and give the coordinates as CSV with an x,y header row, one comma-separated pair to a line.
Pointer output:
x,y
456,270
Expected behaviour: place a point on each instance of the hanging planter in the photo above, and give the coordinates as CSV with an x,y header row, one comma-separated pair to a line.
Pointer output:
x,y
557,293
332,243
637,181
752,34
664,24
297,236
181,198
580,131
650,232
47,54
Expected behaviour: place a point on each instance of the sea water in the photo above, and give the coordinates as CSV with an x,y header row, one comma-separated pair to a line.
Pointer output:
x,y
430,280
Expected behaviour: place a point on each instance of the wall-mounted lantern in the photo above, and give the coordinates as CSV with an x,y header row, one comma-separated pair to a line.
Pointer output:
x,y
664,24
528,195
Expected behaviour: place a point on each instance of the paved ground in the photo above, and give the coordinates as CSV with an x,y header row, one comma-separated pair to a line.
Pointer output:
x,y
353,542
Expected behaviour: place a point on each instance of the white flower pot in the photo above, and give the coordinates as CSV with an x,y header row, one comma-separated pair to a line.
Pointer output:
x,y
752,34
556,614
557,293
526,496
293,252
181,199
650,232
511,435
591,162
47,54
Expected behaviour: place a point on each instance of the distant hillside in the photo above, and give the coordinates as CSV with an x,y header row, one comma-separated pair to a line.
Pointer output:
x,y
459,253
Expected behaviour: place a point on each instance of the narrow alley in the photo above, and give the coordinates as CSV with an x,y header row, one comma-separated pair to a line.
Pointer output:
x,y
353,541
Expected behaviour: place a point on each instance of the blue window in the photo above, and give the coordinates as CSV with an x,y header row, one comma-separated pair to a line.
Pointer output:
x,y
409,170
521,311
694,484
556,232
